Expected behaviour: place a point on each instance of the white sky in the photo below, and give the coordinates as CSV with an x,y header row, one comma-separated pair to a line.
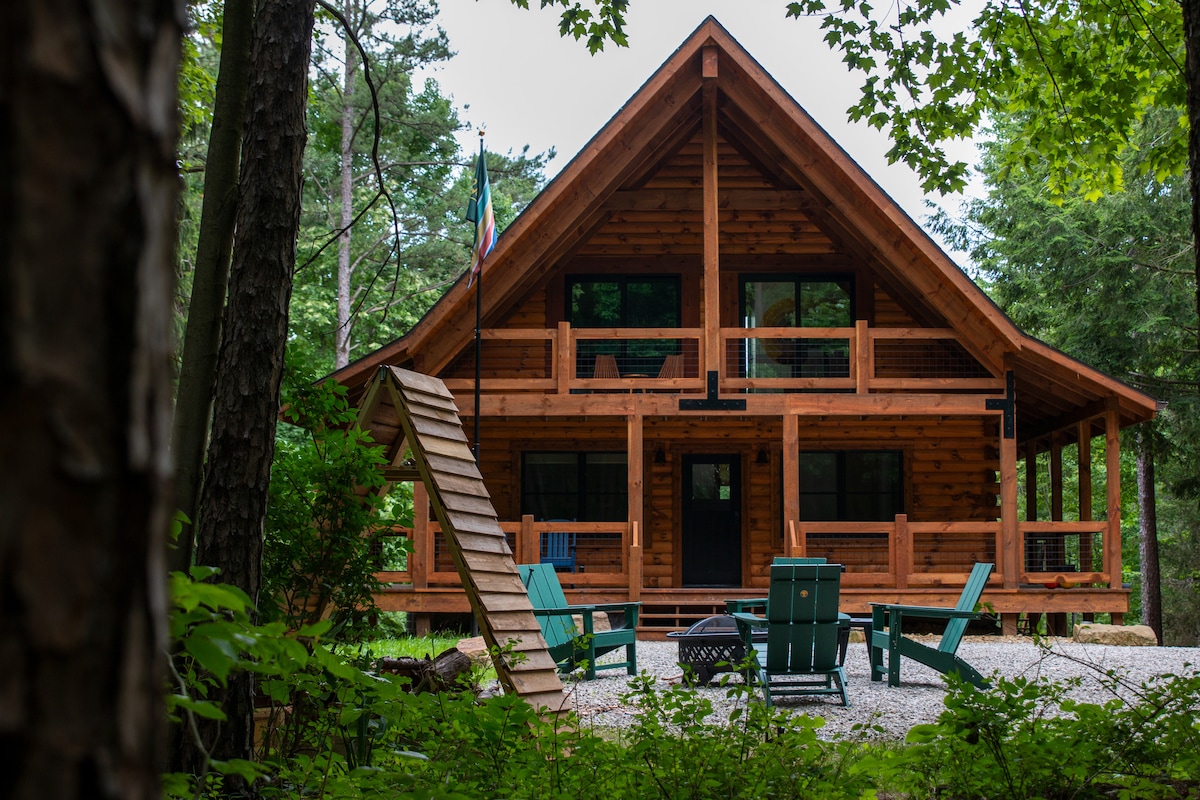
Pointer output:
x,y
514,76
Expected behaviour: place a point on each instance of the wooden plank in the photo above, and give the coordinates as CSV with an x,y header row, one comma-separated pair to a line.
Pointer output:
x,y
466,503
444,430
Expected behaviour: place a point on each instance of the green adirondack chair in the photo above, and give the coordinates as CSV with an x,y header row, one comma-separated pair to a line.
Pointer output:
x,y
802,625
568,645
887,634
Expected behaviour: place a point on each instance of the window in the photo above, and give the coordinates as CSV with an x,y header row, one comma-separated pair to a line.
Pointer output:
x,y
851,485
584,487
624,301
794,301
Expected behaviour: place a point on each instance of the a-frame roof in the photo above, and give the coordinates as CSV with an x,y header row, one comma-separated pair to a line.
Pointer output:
x,y
773,133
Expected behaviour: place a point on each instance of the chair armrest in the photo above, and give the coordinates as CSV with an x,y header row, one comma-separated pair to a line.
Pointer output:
x,y
927,611
741,604
750,620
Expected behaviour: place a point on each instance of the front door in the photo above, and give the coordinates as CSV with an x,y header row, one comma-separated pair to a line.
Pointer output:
x,y
712,520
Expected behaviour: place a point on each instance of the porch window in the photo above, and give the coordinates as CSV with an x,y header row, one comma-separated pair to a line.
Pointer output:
x,y
624,301
851,485
583,487
796,301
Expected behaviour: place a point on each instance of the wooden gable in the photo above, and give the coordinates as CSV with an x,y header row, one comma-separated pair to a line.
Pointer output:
x,y
783,190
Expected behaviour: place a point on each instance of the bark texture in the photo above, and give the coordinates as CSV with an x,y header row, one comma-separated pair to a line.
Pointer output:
x,y
1191,36
254,329
198,363
1148,536
88,193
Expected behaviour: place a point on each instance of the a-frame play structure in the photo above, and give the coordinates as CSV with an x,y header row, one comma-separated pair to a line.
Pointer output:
x,y
415,417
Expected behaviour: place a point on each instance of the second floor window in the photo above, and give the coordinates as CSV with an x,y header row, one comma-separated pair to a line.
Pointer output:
x,y
624,301
796,301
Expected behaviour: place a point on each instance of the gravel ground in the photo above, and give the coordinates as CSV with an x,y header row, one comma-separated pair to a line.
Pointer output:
x,y
918,699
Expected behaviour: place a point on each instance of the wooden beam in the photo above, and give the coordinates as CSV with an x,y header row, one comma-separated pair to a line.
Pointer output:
x,y
1031,481
635,461
1010,532
791,469
1056,478
1084,442
528,404
1112,478
712,261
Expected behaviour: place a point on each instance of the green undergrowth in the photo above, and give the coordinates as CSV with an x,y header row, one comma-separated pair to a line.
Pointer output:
x,y
340,730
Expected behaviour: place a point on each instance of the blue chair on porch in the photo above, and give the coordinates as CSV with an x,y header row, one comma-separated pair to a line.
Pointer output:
x,y
558,548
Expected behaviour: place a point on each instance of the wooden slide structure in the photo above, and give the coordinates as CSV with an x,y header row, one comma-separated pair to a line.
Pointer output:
x,y
419,414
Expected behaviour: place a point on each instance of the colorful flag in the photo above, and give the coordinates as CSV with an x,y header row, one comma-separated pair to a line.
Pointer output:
x,y
479,211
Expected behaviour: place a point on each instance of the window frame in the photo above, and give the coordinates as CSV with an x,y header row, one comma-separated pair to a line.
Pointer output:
x,y
840,492
582,512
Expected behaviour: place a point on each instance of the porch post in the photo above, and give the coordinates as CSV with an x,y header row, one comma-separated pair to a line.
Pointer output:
x,y
636,511
1084,434
422,553
1031,507
1112,478
791,474
1056,477
1010,531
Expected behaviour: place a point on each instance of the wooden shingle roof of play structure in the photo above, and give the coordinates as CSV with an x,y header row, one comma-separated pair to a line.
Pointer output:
x,y
414,416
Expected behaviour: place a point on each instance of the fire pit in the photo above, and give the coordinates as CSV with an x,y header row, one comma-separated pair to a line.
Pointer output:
x,y
709,647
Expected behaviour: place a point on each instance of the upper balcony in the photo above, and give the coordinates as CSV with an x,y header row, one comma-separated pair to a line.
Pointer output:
x,y
566,360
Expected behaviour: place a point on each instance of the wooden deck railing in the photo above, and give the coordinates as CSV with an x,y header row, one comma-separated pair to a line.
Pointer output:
x,y
902,554
889,555
563,360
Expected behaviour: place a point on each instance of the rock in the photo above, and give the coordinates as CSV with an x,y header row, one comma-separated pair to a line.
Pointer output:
x,y
1127,635
476,649
599,622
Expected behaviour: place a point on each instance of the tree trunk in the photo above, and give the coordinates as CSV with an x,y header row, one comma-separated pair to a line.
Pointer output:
x,y
88,193
1191,35
342,337
198,364
1148,534
254,330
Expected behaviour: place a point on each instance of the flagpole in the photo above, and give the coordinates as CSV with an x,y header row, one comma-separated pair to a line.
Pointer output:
x,y
478,338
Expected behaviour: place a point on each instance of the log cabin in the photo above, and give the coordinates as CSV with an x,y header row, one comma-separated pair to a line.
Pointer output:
x,y
713,340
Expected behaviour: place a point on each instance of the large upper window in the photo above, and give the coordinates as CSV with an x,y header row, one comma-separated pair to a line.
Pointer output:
x,y
851,485
582,487
796,301
624,301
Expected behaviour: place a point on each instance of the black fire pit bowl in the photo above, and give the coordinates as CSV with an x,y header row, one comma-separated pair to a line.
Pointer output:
x,y
709,647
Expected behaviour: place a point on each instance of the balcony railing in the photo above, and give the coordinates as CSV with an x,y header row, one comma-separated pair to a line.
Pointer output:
x,y
566,360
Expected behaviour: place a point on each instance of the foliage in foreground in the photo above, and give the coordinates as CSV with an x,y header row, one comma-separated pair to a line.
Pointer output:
x,y
355,734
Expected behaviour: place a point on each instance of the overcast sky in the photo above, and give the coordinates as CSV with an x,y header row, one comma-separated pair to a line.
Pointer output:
x,y
514,76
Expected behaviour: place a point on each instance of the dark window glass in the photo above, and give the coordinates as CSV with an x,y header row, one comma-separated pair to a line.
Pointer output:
x,y
584,487
795,301
851,485
624,301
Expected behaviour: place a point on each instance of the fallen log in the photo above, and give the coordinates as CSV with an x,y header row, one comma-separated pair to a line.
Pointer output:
x,y
449,671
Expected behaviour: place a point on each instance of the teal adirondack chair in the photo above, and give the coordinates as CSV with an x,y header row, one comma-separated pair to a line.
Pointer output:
x,y
887,634
802,625
568,645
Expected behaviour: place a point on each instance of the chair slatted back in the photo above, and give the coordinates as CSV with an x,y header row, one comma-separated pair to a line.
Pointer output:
x,y
541,582
802,616
606,367
672,367
797,560
558,549
952,637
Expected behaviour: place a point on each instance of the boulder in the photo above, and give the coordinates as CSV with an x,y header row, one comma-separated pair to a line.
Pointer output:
x,y
1126,635
599,622
475,649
